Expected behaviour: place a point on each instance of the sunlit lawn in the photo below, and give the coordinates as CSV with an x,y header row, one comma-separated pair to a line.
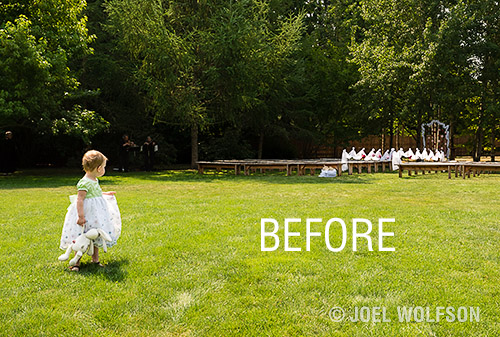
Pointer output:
x,y
189,260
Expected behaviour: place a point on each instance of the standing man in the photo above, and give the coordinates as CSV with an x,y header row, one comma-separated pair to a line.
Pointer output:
x,y
148,149
124,153
8,154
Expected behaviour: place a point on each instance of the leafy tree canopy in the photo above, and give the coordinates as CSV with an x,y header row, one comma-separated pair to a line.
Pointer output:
x,y
38,40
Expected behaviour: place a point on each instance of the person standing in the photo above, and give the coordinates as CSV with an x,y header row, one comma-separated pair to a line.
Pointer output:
x,y
148,150
92,208
124,153
8,154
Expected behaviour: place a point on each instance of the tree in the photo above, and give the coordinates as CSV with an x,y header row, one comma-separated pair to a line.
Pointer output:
x,y
391,57
202,63
487,56
38,89
433,59
467,69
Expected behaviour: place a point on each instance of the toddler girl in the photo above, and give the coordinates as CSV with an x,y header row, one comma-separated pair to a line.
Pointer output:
x,y
91,208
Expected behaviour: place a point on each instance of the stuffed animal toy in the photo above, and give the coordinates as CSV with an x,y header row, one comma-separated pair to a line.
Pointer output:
x,y
85,243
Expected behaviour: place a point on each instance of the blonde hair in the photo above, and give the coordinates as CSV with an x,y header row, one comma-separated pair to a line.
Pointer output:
x,y
92,160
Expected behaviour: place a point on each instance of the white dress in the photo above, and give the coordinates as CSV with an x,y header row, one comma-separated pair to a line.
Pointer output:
x,y
101,211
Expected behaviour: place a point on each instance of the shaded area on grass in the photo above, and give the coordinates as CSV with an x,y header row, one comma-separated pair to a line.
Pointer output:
x,y
112,271
270,177
46,178
53,178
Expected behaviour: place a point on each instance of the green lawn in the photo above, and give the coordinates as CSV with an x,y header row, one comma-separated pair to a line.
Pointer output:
x,y
189,261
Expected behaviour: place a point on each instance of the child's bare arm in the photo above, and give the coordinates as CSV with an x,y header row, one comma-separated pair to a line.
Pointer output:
x,y
79,207
109,193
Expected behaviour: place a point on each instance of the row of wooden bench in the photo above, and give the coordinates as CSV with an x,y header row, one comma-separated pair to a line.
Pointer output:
x,y
300,166
460,168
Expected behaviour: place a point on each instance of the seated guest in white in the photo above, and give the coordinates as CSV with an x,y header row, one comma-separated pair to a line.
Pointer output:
x,y
441,155
409,154
352,154
370,154
424,154
360,155
345,159
401,153
386,155
396,160
418,155
391,153
430,155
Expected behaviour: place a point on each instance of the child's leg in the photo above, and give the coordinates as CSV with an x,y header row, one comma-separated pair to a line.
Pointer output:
x,y
95,256
76,267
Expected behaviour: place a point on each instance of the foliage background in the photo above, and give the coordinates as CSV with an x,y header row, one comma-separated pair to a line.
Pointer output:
x,y
240,79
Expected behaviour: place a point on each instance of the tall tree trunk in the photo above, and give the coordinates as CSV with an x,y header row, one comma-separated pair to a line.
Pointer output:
x,y
452,142
478,139
261,145
493,138
391,134
382,140
194,145
419,130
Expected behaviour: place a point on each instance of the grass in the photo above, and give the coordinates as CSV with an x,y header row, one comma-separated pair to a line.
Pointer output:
x,y
189,262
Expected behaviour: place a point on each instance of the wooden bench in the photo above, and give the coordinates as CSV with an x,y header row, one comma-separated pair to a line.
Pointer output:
x,y
299,165
219,165
248,165
368,164
313,165
268,165
430,166
479,167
